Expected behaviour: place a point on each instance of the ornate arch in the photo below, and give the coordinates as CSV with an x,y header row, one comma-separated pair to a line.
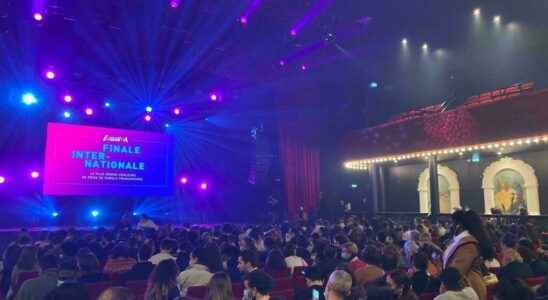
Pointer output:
x,y
424,190
525,170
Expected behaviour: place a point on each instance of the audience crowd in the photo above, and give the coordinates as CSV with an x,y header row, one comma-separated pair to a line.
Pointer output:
x,y
464,257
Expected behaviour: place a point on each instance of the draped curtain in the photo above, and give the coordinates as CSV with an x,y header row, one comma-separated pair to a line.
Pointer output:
x,y
301,171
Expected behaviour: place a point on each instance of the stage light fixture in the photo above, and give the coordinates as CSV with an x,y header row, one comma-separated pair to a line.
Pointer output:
x,y
282,62
213,97
107,104
293,32
174,4
304,67
203,186
148,109
477,12
67,98
425,47
95,213
184,180
148,118
243,20
497,19
34,174
354,186
166,125
88,111
135,213
2,179
374,85
38,16
50,75
404,41
29,99
55,214
176,111
67,114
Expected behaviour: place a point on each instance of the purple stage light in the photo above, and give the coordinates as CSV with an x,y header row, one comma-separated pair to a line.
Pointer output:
x,y
67,98
304,67
184,180
174,4
89,111
203,186
50,74
282,62
148,118
38,16
213,96
2,179
243,20
34,174
293,32
176,111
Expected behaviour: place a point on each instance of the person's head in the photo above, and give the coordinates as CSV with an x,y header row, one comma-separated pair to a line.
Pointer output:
x,y
339,285
220,287
349,251
197,256
420,261
168,245
371,255
47,261
451,280
28,259
511,289
470,221
275,261
528,255
313,276
247,261
117,293
164,275
399,281
88,263
144,253
68,291
120,251
509,241
259,284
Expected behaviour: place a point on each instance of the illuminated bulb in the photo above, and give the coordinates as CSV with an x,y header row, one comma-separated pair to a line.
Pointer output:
x,y
477,12
512,143
536,140
520,142
404,41
496,19
544,139
482,147
528,141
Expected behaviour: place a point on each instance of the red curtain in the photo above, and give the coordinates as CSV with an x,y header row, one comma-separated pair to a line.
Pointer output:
x,y
301,171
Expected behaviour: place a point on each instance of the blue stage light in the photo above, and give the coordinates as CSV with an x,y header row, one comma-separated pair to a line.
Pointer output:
x,y
148,109
354,186
373,85
67,114
135,213
95,213
29,99
55,214
107,104
166,125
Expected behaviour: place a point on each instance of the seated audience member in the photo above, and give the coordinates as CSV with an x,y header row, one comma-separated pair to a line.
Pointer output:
x,y
328,261
145,223
142,269
90,272
349,253
400,283
509,253
167,246
27,264
452,287
314,283
258,286
514,289
513,266
371,272
120,260
421,278
162,284
291,259
275,264
38,288
391,257
117,293
219,287
411,247
339,286
248,261
539,267
197,273
10,258
68,271
69,291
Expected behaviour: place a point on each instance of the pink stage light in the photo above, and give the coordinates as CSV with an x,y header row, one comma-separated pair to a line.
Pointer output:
x,y
293,32
304,67
148,118
2,179
243,20
67,98
203,186
34,174
174,4
213,96
38,16
50,75
176,111
282,62
184,180
89,111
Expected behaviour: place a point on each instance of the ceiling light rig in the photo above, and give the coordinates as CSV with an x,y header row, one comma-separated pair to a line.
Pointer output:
x,y
500,147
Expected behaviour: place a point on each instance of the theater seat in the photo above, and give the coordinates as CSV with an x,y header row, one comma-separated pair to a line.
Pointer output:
x,y
138,288
197,292
283,294
95,289
278,273
534,281
282,284
428,296
238,289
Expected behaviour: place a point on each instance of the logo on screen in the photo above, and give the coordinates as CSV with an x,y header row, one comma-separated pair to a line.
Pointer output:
x,y
118,139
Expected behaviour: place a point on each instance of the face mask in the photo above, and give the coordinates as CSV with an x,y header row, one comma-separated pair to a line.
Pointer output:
x,y
345,255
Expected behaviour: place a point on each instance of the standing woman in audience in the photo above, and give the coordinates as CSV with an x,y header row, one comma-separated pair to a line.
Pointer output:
x,y
220,287
470,247
27,263
162,284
